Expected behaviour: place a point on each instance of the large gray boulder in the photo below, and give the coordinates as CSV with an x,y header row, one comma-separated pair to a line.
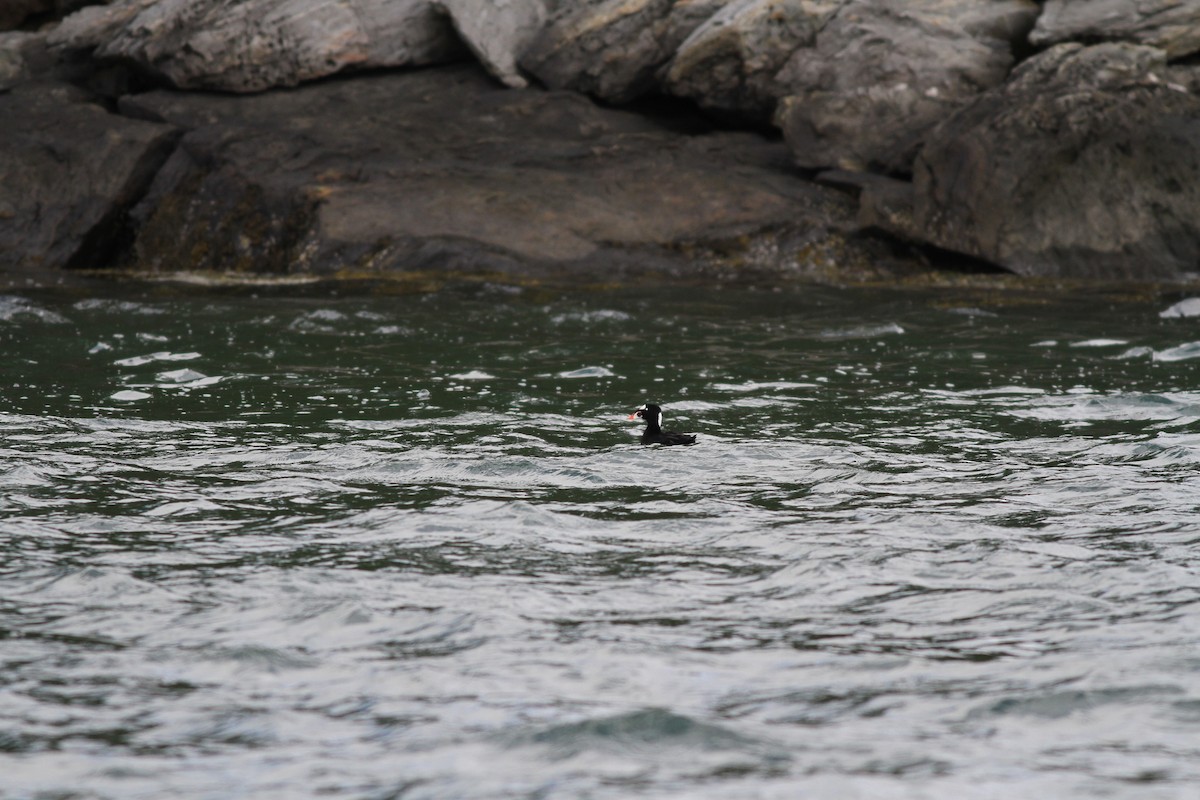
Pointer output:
x,y
69,173
498,32
1086,164
729,64
879,75
1170,25
442,170
613,49
252,45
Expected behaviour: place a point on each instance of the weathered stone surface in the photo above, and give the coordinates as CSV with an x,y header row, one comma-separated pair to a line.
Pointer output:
x,y
1171,25
1009,21
880,75
1086,164
13,68
95,26
252,45
729,64
613,49
497,32
26,57
884,203
69,171
441,169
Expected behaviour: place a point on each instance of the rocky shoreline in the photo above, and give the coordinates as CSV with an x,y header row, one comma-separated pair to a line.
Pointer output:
x,y
601,139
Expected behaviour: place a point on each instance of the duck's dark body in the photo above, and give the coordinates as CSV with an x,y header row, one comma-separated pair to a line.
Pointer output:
x,y
654,434
667,437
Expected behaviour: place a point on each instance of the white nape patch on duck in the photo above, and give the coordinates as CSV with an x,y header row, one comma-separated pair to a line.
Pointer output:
x,y
660,419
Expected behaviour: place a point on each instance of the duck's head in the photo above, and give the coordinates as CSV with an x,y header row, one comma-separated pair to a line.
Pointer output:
x,y
649,412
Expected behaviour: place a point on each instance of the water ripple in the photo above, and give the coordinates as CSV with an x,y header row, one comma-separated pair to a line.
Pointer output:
x,y
923,548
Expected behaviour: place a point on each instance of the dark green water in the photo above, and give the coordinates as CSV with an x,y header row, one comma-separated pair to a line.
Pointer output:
x,y
281,546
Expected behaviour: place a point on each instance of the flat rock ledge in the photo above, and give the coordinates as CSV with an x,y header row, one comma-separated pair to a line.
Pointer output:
x,y
432,170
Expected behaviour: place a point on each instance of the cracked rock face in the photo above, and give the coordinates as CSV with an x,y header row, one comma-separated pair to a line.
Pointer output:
x,y
1084,165
879,75
613,49
729,64
1170,25
69,172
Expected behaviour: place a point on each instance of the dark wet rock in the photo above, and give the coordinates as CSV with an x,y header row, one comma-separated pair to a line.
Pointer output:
x,y
613,49
884,203
260,44
1084,165
441,169
69,172
26,57
1170,25
729,64
879,75
15,12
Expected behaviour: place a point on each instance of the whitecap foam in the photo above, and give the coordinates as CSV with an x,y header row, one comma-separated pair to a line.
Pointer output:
x,y
1182,352
1134,352
588,372
117,306
321,320
184,375
128,395
862,331
599,315
751,386
161,355
1184,308
12,308
1003,390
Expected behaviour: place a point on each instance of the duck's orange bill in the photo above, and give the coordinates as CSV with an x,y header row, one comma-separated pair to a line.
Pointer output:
x,y
633,415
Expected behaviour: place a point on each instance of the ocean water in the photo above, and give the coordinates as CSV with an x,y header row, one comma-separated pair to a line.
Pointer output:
x,y
290,543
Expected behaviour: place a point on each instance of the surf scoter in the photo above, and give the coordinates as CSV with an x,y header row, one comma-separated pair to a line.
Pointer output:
x,y
654,434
